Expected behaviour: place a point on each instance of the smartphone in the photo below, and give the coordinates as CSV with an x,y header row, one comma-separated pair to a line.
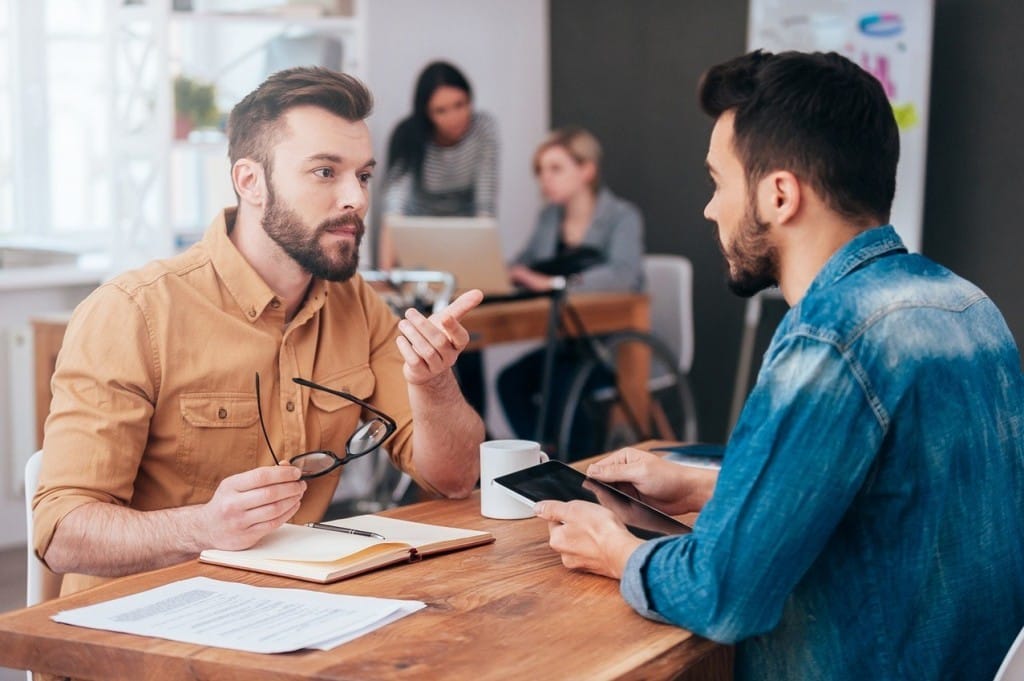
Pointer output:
x,y
554,480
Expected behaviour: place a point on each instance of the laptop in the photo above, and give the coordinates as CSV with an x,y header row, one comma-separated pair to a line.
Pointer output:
x,y
468,247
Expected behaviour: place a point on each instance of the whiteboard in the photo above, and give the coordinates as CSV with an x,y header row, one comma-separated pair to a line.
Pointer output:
x,y
892,41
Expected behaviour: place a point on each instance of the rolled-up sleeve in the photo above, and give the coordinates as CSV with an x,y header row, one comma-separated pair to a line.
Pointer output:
x,y
103,397
786,481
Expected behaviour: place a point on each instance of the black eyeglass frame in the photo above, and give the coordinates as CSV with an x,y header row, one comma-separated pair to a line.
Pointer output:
x,y
389,424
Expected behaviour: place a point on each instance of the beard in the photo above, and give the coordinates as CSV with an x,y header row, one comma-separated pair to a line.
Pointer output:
x,y
286,228
752,262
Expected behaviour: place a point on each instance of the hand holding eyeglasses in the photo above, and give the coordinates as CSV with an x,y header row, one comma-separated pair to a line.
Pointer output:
x,y
430,345
249,505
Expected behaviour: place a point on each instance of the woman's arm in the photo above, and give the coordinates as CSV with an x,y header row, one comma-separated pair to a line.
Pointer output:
x,y
624,255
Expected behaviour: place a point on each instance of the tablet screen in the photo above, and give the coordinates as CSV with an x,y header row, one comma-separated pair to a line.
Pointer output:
x,y
553,480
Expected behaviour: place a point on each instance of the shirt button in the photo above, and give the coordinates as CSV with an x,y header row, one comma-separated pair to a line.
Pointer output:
x,y
275,303
252,311
222,413
290,406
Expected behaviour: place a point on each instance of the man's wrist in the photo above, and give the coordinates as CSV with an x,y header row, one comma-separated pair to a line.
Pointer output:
x,y
622,550
192,537
441,386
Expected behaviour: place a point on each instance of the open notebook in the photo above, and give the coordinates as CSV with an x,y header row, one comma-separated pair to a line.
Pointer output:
x,y
318,555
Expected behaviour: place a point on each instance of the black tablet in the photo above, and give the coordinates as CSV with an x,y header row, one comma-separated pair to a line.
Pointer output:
x,y
553,480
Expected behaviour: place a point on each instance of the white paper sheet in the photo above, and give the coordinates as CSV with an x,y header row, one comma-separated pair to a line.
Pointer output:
x,y
256,619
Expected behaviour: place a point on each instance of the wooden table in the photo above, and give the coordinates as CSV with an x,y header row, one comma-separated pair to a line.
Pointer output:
x,y
505,610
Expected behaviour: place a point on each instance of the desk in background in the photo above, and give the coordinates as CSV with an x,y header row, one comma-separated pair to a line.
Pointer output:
x,y
528,319
504,610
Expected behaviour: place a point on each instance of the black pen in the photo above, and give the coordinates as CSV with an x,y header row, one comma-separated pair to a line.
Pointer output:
x,y
346,530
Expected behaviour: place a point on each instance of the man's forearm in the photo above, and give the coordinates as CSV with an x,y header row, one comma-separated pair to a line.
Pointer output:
x,y
106,540
447,433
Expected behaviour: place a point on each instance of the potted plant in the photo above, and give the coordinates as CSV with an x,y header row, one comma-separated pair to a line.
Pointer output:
x,y
194,106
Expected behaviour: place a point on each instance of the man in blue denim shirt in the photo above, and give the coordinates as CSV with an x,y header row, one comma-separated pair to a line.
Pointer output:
x,y
868,518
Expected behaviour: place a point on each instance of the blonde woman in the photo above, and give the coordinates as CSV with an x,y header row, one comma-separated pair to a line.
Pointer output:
x,y
580,213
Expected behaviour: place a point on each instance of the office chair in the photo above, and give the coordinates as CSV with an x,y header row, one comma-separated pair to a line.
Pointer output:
x,y
672,409
670,284
1012,668
41,583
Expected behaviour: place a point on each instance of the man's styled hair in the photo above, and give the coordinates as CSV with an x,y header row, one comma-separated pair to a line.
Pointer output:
x,y
818,116
256,121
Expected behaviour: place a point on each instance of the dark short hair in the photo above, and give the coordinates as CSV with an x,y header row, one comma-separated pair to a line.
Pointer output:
x,y
256,120
817,115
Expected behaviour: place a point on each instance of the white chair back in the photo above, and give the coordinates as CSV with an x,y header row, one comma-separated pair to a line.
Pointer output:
x,y
670,286
41,583
1012,668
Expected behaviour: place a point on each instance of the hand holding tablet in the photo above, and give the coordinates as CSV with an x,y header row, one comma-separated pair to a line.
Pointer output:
x,y
556,481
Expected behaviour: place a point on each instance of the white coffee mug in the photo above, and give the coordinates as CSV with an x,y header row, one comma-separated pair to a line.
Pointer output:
x,y
500,457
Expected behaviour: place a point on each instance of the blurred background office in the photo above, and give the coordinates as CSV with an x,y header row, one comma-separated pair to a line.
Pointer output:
x,y
110,142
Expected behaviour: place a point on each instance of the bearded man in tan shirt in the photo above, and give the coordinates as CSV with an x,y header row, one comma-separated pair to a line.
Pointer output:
x,y
154,449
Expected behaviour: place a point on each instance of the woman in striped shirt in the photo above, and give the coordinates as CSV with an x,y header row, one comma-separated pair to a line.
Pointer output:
x,y
442,159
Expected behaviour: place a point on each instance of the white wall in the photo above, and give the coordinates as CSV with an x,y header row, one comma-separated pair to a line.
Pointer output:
x,y
17,397
502,47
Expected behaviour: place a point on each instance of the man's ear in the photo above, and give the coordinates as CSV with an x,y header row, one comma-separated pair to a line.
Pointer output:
x,y
779,197
250,182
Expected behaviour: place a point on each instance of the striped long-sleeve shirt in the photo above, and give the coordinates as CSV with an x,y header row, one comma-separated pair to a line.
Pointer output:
x,y
458,180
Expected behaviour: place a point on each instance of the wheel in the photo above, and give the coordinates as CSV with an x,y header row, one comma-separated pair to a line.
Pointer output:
x,y
597,418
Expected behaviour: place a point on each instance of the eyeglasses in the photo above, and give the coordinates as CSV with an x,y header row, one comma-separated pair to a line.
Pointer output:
x,y
367,437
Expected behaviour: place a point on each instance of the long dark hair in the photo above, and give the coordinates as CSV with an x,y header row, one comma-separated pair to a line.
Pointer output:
x,y
408,143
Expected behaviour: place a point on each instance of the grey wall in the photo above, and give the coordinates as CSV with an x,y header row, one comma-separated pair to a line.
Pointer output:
x,y
628,71
974,197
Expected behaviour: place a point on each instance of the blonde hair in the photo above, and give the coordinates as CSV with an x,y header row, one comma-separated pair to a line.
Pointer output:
x,y
581,146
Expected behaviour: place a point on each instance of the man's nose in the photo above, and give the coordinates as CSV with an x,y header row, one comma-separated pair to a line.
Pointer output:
x,y
352,196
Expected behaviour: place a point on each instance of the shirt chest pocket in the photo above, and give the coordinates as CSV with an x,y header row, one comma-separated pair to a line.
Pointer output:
x,y
334,418
219,436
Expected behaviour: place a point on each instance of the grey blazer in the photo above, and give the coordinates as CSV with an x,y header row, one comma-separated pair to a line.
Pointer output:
x,y
617,231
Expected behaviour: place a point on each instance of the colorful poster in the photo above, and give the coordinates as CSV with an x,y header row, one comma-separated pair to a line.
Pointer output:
x,y
892,41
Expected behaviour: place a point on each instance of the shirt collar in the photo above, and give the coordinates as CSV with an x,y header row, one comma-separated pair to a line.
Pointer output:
x,y
251,293
867,245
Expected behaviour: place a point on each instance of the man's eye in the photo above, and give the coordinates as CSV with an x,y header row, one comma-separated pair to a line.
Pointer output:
x,y
365,177
324,173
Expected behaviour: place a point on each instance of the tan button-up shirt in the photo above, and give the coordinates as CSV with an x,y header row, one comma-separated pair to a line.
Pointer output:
x,y
154,399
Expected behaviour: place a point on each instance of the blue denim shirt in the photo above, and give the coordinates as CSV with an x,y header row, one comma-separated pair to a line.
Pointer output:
x,y
868,520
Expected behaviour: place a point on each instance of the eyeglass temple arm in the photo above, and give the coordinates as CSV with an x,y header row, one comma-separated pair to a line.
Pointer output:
x,y
347,396
263,427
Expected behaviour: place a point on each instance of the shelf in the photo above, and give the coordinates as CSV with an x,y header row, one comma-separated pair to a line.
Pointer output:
x,y
220,145
52,276
333,22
